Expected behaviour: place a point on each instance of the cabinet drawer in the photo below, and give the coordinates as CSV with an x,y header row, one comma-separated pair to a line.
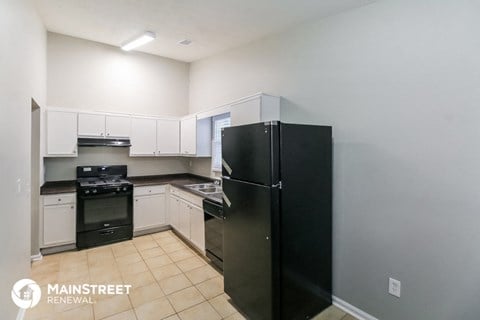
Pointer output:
x,y
187,196
57,199
144,191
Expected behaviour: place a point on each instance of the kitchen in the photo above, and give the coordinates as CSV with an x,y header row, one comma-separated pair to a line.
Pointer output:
x,y
126,167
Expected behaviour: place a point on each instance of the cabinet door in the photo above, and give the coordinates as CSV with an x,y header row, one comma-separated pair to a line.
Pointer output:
x,y
246,112
168,137
188,136
61,134
149,212
184,219
174,212
144,137
59,224
197,227
203,138
91,125
117,126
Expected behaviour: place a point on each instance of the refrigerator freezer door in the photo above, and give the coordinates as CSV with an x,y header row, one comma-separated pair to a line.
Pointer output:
x,y
250,153
249,257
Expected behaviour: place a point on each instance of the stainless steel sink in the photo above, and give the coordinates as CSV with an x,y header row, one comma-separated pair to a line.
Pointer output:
x,y
205,188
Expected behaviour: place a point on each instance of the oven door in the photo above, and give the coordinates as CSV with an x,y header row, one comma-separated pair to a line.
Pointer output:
x,y
106,210
213,218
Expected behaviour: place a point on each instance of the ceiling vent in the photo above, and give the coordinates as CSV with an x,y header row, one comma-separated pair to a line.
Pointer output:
x,y
185,42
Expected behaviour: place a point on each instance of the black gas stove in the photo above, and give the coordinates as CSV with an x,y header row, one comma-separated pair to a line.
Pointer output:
x,y
104,205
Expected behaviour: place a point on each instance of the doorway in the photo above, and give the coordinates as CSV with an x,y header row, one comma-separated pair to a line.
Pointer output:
x,y
35,180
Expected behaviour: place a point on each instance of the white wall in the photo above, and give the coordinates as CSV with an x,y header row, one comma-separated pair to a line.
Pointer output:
x,y
92,76
399,82
22,76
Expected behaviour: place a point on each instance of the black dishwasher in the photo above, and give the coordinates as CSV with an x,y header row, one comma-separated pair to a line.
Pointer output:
x,y
213,215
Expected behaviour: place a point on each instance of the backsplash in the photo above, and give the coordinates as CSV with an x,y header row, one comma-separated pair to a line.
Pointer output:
x,y
64,168
202,167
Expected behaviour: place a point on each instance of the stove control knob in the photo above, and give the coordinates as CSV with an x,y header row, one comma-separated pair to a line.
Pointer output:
x,y
124,188
94,191
118,189
87,191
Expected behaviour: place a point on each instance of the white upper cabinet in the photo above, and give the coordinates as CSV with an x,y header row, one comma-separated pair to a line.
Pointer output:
x,y
196,137
61,134
143,137
204,137
168,137
254,109
188,131
91,125
101,125
117,126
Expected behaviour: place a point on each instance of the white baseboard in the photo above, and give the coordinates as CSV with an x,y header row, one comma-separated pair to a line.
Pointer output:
x,y
36,257
354,311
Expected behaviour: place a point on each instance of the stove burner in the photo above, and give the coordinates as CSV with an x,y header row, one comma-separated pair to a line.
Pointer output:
x,y
104,177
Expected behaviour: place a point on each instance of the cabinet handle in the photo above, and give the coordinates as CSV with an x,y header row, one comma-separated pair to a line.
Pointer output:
x,y
108,134
71,207
59,199
136,200
101,134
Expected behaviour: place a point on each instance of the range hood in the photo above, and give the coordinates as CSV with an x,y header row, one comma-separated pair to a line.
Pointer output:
x,y
99,142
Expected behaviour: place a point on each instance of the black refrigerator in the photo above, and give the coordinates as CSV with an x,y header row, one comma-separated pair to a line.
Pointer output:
x,y
277,203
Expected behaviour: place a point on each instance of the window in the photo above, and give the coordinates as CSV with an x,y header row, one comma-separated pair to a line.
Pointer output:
x,y
218,122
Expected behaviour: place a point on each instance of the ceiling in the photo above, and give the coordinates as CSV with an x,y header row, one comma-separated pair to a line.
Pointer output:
x,y
212,25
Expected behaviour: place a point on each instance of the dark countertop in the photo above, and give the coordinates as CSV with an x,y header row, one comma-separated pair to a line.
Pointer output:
x,y
55,187
176,180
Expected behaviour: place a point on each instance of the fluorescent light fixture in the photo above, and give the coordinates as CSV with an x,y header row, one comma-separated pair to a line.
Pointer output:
x,y
139,41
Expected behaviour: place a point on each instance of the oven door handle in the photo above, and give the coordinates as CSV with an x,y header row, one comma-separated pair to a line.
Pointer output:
x,y
211,214
107,233
105,195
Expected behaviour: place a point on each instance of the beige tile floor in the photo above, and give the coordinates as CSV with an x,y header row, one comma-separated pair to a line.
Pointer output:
x,y
169,281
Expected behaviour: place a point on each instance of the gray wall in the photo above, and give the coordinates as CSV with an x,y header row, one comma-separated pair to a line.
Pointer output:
x,y
399,82
64,168
22,76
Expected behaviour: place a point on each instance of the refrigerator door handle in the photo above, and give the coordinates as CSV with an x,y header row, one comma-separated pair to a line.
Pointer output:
x,y
226,166
227,201
278,185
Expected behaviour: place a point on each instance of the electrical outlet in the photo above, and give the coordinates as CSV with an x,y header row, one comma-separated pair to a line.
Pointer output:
x,y
394,287
19,186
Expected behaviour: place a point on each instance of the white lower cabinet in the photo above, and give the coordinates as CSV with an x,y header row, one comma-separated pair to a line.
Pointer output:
x,y
197,227
58,220
149,208
173,211
186,216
